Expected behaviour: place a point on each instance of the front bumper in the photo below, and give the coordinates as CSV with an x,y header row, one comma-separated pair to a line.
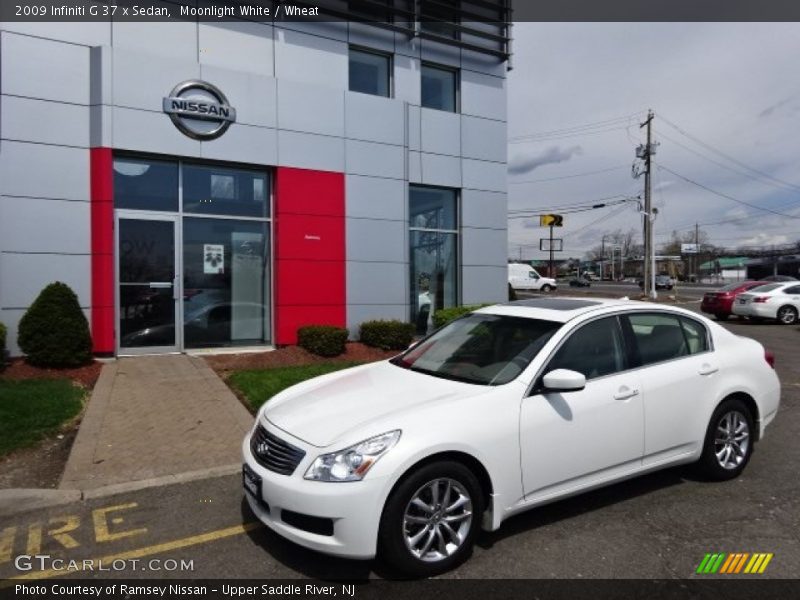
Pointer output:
x,y
354,507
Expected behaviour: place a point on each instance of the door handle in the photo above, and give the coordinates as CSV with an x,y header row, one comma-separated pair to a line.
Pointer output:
x,y
708,370
624,394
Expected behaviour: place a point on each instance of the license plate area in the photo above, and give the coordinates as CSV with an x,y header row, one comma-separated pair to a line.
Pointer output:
x,y
251,482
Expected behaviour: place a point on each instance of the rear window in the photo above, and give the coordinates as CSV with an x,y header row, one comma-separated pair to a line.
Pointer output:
x,y
767,287
732,286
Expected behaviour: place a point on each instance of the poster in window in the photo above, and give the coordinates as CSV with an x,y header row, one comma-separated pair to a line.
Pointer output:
x,y
213,259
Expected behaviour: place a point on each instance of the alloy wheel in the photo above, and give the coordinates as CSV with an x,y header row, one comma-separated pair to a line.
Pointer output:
x,y
732,440
787,315
437,520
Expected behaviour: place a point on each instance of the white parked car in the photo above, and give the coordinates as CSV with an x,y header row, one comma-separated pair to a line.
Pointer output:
x,y
508,408
779,301
525,277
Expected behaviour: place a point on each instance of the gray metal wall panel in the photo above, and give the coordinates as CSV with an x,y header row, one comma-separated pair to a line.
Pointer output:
x,y
42,171
146,131
334,30
484,284
414,124
375,240
312,59
484,139
309,151
482,63
374,119
441,132
440,170
364,34
442,54
484,247
243,143
482,175
85,33
174,39
483,95
44,122
40,225
407,84
380,160
142,80
253,96
23,276
310,108
484,209
39,68
376,283
376,198
238,45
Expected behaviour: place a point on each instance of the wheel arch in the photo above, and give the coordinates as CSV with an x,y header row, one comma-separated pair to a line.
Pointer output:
x,y
751,405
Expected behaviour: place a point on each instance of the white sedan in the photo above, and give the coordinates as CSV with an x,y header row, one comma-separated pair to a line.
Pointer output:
x,y
779,301
508,408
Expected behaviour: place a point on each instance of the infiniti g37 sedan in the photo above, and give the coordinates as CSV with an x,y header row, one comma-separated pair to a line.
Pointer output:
x,y
498,412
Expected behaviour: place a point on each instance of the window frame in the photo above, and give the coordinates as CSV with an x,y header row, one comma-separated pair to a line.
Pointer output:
x,y
634,348
456,72
389,56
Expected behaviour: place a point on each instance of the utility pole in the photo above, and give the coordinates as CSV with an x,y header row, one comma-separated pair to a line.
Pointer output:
x,y
697,252
551,253
648,267
602,255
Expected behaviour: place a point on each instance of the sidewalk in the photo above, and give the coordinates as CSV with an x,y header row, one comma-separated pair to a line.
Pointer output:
x,y
155,416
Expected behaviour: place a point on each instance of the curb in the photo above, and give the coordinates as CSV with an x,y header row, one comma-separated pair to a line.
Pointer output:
x,y
19,500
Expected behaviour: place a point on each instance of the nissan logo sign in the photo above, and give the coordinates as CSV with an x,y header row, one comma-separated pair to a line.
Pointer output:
x,y
199,110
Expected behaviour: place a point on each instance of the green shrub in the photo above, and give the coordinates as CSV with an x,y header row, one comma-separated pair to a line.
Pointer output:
x,y
445,315
512,293
54,332
322,340
388,335
3,336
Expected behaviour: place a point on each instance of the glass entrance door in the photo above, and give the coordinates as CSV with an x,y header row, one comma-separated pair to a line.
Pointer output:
x,y
148,286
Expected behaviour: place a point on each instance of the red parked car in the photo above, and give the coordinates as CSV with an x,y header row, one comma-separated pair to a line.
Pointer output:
x,y
720,302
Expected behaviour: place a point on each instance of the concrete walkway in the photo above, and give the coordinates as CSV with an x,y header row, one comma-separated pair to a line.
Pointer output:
x,y
155,417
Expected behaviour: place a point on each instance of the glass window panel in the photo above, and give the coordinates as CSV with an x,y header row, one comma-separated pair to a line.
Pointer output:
x,y
432,208
226,282
594,350
145,184
369,73
439,88
225,191
434,270
696,335
659,337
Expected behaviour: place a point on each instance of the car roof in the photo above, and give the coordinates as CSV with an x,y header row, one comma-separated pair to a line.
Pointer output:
x,y
555,308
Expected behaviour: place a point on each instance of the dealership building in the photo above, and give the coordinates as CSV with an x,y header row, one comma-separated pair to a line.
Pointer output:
x,y
212,184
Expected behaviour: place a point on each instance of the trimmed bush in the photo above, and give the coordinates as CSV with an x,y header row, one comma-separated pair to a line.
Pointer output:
x,y
54,331
3,337
512,293
387,335
445,315
322,340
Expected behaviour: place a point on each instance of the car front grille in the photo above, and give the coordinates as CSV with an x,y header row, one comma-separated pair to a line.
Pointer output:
x,y
273,453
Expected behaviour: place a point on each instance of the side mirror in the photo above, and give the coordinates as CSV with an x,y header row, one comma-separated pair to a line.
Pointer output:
x,y
564,380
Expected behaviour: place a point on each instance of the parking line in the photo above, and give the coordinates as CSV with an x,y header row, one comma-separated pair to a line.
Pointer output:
x,y
142,552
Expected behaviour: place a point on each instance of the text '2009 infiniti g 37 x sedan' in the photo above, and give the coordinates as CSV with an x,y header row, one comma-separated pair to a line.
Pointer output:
x,y
505,409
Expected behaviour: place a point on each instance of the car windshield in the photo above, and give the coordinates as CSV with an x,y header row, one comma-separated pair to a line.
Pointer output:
x,y
482,349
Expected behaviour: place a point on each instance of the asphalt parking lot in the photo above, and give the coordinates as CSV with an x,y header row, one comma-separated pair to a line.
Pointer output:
x,y
657,526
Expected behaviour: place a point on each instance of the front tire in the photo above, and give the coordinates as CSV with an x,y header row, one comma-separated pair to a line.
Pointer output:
x,y
787,315
729,441
546,287
431,519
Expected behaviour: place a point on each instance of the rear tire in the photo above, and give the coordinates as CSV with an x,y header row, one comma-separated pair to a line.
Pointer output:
x,y
729,441
431,519
787,315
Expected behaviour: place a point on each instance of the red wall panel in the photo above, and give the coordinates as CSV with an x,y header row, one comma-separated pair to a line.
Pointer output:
x,y
101,178
309,227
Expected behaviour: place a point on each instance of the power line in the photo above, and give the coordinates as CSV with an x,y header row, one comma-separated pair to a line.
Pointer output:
x,y
574,128
613,213
556,207
584,174
726,156
726,196
566,135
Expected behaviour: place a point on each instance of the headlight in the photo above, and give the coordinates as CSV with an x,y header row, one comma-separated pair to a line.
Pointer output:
x,y
351,464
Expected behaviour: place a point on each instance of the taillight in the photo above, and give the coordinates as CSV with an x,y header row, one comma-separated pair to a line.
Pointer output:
x,y
760,298
770,358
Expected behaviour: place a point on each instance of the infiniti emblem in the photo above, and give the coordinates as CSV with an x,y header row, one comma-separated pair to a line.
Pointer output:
x,y
262,449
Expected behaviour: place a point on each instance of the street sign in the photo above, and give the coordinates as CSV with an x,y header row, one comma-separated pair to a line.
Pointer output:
x,y
554,244
551,221
690,248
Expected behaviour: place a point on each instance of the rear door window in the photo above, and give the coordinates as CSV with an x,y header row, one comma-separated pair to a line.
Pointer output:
x,y
659,337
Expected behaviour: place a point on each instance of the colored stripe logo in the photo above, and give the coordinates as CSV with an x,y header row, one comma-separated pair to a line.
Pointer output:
x,y
734,563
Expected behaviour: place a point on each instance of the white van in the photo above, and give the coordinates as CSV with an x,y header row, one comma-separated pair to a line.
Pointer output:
x,y
525,277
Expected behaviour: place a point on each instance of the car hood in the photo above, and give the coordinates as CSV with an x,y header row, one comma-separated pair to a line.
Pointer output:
x,y
333,407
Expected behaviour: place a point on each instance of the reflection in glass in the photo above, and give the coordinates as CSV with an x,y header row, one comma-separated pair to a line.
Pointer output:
x,y
432,208
369,73
439,88
145,184
433,275
225,191
225,283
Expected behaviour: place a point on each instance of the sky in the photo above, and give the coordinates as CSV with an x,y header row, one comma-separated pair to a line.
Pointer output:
x,y
577,93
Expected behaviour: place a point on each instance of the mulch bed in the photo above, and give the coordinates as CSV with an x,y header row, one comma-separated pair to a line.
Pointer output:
x,y
290,356
86,376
